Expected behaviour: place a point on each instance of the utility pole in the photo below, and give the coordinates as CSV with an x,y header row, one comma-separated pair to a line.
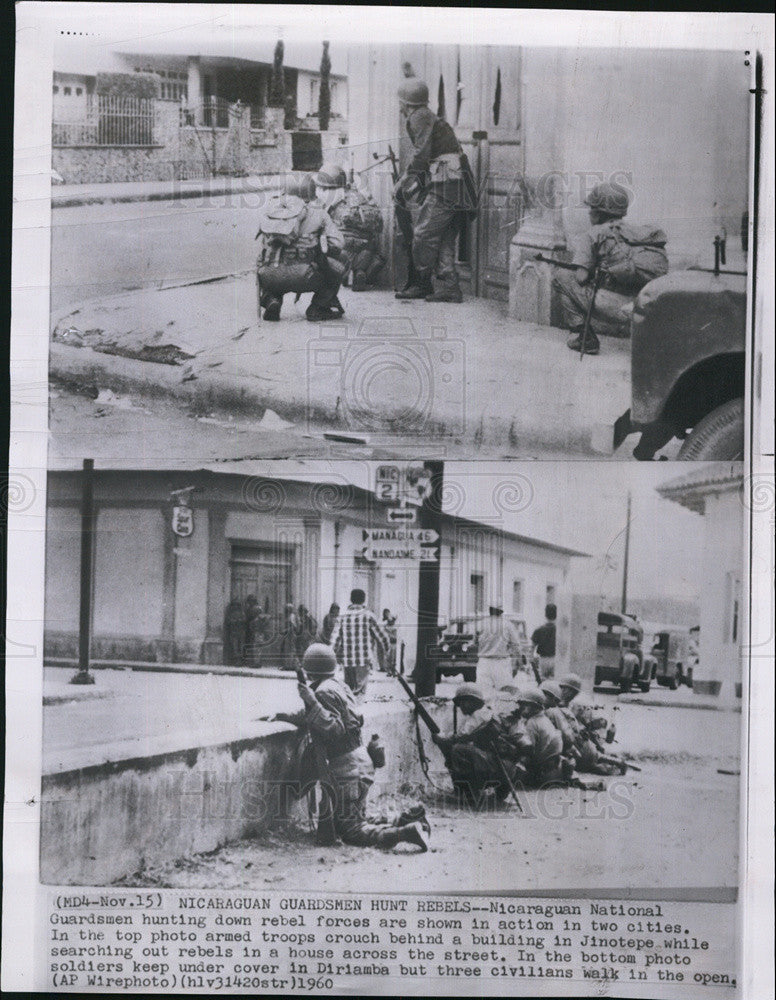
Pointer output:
x,y
428,585
624,601
83,676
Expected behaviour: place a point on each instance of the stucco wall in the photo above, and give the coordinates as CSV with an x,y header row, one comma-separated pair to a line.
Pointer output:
x,y
104,822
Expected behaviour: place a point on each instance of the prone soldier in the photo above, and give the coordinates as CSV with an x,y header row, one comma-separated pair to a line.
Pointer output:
x,y
358,218
331,716
298,252
628,257
587,725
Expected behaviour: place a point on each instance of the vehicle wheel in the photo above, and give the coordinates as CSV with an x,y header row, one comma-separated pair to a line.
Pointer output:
x,y
688,678
626,683
597,677
673,682
646,685
470,675
718,437
661,682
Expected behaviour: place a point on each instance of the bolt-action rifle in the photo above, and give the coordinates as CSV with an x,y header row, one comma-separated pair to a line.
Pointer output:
x,y
597,276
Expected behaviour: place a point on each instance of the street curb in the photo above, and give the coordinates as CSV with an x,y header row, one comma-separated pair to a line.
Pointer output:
x,y
175,194
705,706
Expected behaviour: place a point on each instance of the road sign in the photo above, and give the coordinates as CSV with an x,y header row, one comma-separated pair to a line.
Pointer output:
x,y
387,480
397,544
183,521
429,553
402,515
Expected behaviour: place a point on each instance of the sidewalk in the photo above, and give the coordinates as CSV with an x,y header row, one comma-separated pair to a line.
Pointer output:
x,y
71,195
457,372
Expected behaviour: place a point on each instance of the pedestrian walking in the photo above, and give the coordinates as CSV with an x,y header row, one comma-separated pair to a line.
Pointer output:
x,y
543,640
496,645
356,637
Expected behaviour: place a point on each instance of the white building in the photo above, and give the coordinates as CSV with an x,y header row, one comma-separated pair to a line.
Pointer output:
x,y
296,540
716,492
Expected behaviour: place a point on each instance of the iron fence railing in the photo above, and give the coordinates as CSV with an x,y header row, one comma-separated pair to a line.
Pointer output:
x,y
109,120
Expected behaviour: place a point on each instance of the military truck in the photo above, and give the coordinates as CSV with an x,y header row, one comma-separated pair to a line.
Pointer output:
x,y
673,657
688,344
456,650
620,657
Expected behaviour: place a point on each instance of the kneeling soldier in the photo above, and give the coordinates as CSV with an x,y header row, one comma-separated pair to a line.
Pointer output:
x,y
358,218
298,251
586,725
469,755
331,715
533,744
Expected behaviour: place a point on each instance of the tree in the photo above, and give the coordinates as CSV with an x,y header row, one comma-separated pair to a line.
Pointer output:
x,y
277,87
324,94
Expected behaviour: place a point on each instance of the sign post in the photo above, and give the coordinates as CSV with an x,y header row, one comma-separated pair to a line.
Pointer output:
x,y
428,584
83,675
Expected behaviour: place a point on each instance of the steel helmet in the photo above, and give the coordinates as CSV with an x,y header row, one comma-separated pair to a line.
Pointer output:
x,y
469,690
414,91
319,660
533,696
331,175
301,185
612,199
552,692
571,681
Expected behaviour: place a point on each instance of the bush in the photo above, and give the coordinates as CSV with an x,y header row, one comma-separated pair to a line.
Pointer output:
x,y
127,85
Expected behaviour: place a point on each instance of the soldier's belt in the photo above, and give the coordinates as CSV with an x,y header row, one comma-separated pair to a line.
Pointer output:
x,y
344,744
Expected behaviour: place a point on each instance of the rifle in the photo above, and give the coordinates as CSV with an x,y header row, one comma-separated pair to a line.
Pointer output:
x,y
419,708
403,222
535,668
598,273
618,762
326,834
505,775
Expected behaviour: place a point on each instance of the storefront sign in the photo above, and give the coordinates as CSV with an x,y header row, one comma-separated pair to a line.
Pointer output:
x,y
183,521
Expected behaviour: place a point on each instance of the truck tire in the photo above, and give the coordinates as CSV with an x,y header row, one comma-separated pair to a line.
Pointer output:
x,y
673,680
469,674
626,683
597,677
718,437
645,685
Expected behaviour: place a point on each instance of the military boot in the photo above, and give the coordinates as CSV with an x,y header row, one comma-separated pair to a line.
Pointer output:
x,y
359,283
446,293
592,343
420,289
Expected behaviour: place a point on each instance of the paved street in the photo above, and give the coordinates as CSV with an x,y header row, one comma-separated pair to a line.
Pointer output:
x,y
97,250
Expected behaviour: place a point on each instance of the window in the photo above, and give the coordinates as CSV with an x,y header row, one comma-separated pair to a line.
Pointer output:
x,y
68,91
78,91
56,89
732,623
549,597
477,593
517,597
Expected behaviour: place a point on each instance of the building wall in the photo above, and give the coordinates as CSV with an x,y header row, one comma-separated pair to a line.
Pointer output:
x,y
722,607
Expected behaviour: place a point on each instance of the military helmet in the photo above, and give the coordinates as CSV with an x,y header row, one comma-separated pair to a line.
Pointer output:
x,y
301,186
469,690
571,681
414,91
612,199
552,690
331,175
319,660
532,696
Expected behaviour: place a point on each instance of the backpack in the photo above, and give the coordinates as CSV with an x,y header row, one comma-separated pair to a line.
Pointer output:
x,y
639,256
281,220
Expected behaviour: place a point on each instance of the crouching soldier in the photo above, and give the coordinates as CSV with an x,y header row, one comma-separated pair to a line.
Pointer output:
x,y
629,257
358,218
331,716
532,744
586,725
469,752
299,246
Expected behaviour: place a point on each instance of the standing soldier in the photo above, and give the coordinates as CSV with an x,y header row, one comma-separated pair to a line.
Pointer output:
x,y
355,638
629,257
298,249
433,189
331,715
496,644
359,220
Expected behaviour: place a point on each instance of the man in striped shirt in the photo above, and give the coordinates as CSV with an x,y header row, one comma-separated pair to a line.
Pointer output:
x,y
356,635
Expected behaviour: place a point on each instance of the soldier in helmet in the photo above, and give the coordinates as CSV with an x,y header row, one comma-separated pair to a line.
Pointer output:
x,y
359,220
629,257
532,744
432,188
331,712
469,753
553,699
299,246
586,724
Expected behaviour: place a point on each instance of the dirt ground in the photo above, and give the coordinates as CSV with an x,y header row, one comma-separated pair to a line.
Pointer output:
x,y
672,825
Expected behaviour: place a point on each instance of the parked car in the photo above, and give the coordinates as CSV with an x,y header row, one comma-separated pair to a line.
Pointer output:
x,y
673,656
688,342
620,658
456,651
